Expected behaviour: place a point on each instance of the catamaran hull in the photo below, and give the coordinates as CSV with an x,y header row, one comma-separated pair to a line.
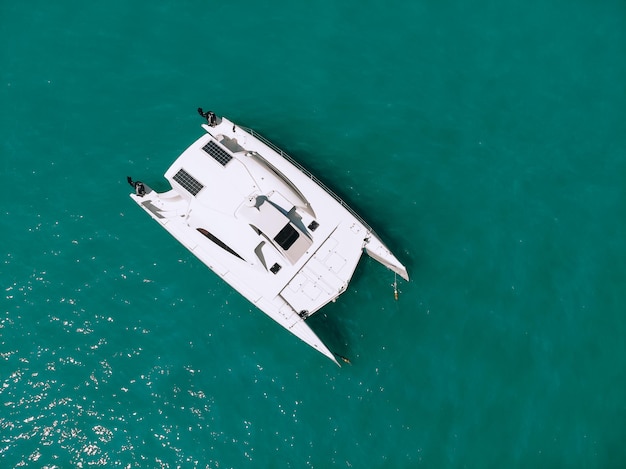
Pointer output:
x,y
264,224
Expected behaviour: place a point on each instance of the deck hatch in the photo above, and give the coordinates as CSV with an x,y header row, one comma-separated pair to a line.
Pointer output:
x,y
189,183
219,154
286,237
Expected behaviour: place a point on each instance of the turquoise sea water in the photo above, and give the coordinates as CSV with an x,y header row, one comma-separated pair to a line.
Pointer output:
x,y
484,141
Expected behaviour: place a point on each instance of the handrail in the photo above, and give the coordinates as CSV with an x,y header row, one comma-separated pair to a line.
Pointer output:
x,y
310,175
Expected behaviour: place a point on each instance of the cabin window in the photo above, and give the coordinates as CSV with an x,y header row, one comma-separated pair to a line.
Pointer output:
x,y
286,237
219,242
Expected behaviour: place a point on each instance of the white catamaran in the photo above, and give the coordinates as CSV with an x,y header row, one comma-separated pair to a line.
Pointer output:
x,y
264,224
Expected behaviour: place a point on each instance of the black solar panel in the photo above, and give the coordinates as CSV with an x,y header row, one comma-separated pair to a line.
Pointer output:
x,y
218,153
191,185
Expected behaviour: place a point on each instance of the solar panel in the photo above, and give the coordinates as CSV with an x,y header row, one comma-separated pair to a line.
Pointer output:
x,y
191,184
218,153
